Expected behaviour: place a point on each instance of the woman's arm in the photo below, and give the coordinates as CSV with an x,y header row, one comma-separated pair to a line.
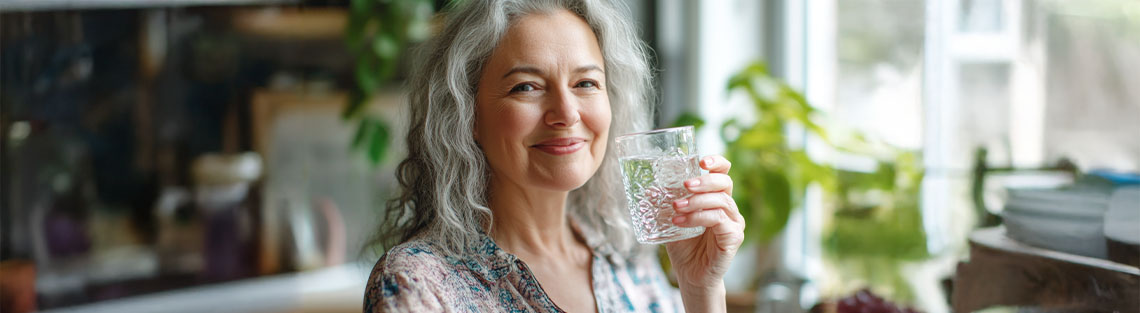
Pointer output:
x,y
704,299
701,262
403,284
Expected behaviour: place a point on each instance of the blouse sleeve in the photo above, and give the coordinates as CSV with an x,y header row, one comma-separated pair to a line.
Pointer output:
x,y
394,290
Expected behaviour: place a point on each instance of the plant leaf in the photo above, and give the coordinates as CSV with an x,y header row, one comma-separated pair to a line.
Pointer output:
x,y
759,138
378,144
362,130
361,7
355,105
366,75
777,200
810,171
386,47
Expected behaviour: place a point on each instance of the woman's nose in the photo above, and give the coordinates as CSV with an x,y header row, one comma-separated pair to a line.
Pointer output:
x,y
563,111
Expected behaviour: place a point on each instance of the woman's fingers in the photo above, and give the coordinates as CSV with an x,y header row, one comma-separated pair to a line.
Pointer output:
x,y
711,204
715,164
712,182
709,201
729,233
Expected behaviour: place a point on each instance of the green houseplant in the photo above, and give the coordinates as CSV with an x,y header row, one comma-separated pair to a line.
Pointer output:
x,y
875,223
764,161
378,34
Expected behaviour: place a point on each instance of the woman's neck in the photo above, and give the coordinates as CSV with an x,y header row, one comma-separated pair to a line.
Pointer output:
x,y
531,221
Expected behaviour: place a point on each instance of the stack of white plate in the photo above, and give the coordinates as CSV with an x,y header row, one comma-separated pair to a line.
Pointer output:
x,y
1122,226
1067,219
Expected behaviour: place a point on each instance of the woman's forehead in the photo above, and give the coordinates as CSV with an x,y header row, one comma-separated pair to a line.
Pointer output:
x,y
543,39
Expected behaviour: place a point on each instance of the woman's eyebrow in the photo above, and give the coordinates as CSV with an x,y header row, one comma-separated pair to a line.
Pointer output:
x,y
588,68
536,71
523,69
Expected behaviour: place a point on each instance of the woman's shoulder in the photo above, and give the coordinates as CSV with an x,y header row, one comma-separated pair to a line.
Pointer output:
x,y
415,257
408,277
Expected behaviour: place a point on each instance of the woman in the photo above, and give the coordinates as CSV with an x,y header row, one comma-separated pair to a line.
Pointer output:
x,y
511,200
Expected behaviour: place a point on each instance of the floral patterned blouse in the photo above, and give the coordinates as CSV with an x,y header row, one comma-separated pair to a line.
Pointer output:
x,y
417,276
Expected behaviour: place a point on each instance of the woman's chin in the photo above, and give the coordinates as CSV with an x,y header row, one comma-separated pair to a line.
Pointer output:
x,y
562,176
564,181
566,185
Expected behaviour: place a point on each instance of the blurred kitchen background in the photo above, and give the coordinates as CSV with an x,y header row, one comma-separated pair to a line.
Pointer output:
x,y
234,155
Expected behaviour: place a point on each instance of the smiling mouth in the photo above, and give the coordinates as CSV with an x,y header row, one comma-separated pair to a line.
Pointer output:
x,y
560,146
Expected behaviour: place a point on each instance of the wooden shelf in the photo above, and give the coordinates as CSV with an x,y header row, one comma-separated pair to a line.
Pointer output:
x,y
1004,272
46,5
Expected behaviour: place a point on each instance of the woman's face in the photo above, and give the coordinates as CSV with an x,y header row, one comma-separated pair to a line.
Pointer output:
x,y
542,111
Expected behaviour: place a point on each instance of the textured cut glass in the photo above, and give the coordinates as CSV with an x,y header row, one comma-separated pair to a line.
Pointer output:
x,y
654,167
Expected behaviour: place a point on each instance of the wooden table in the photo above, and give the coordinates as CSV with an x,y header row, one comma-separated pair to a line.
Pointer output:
x,y
1004,272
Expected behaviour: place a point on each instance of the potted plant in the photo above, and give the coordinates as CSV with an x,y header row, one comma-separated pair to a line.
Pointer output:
x,y
874,224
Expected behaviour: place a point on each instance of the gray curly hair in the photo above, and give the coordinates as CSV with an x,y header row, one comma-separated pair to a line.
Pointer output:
x,y
444,179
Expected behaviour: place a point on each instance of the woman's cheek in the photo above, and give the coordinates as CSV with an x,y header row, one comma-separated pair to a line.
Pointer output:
x,y
599,125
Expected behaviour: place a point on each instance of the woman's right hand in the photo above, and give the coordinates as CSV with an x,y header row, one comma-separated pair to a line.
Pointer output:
x,y
701,262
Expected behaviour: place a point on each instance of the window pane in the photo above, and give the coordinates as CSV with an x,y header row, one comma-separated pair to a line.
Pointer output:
x,y
1092,102
980,16
984,101
879,77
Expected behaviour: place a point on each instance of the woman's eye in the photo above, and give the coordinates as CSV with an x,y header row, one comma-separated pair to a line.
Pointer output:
x,y
522,88
587,84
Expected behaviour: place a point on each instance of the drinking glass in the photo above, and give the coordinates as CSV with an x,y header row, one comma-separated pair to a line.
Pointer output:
x,y
654,167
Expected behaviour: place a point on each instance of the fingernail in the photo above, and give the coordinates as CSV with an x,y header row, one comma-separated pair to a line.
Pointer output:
x,y
681,203
680,219
707,162
693,182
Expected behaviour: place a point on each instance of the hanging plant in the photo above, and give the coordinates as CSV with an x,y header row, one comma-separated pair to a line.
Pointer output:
x,y
378,34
